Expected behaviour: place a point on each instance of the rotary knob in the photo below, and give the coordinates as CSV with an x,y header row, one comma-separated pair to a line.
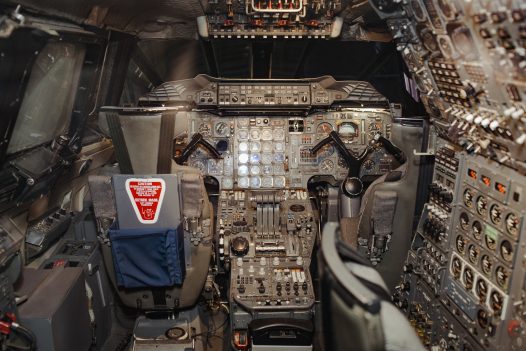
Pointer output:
x,y
239,246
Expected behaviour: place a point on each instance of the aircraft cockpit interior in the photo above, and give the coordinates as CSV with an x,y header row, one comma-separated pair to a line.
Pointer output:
x,y
262,175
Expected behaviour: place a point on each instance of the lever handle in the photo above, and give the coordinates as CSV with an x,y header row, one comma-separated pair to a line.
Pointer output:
x,y
197,139
353,162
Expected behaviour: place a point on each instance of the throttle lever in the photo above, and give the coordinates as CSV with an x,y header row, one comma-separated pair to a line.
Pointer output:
x,y
196,140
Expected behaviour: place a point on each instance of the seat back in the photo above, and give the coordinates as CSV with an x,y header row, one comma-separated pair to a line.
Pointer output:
x,y
355,307
156,236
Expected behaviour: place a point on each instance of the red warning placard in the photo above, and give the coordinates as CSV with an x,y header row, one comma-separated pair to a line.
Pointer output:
x,y
146,195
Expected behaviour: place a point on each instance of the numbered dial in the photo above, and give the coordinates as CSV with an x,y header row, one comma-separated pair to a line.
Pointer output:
x,y
326,165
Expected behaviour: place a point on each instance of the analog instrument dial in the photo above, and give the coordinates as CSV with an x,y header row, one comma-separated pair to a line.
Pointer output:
x,y
482,205
221,129
326,165
205,129
324,129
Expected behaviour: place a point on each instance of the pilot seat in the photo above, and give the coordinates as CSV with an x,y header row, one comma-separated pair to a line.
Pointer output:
x,y
156,234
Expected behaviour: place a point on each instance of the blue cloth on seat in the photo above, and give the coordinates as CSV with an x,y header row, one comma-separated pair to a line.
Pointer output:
x,y
148,257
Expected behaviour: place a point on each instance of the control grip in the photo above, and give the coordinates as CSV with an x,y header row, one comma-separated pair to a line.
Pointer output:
x,y
197,139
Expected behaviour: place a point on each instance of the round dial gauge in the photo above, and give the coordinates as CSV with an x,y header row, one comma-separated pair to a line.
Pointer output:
x,y
228,183
502,276
242,170
243,158
506,251
418,11
279,169
468,198
461,244
326,165
242,134
243,182
477,230
266,147
255,182
473,253
456,267
255,146
279,182
221,129
495,214
254,170
469,278
324,128
464,220
242,122
266,134
266,159
243,147
279,158
267,169
254,134
266,182
482,289
491,243
482,205
204,129
496,302
486,264
279,147
325,152
446,8
348,129
255,158
279,134
512,224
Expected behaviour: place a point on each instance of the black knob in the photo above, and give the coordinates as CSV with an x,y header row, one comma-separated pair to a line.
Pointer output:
x,y
241,289
261,289
239,246
352,186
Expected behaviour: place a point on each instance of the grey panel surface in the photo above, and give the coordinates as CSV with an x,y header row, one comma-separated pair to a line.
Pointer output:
x,y
57,311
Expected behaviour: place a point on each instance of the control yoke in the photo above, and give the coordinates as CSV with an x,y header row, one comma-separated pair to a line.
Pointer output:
x,y
353,186
197,139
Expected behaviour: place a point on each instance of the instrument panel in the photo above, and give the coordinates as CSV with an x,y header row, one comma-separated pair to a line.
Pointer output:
x,y
274,152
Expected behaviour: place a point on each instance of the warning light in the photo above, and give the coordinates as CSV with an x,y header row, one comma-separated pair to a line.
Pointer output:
x,y
486,180
472,173
501,188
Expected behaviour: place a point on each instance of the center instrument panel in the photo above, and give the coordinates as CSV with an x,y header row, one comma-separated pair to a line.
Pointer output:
x,y
256,139
273,152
